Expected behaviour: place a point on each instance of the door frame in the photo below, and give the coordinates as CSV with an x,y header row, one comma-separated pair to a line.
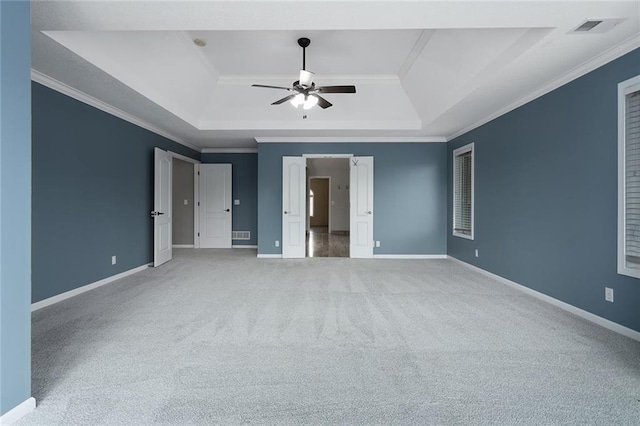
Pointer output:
x,y
348,156
328,202
196,193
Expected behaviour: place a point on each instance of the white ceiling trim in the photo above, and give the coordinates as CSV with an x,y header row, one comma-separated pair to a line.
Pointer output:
x,y
60,87
311,125
603,58
421,43
351,78
335,139
229,150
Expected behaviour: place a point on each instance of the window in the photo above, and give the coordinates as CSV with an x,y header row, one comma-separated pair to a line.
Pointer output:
x,y
629,177
463,192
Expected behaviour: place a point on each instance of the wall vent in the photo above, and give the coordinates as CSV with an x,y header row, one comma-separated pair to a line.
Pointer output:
x,y
596,26
240,235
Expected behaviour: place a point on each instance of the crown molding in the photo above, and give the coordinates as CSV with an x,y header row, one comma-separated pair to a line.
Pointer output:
x,y
351,78
596,62
229,150
76,94
332,139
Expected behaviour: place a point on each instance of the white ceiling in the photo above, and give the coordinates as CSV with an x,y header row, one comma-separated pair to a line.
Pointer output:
x,y
423,70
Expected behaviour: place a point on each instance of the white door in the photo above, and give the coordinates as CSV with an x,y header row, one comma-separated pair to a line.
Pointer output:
x,y
161,208
293,206
215,206
361,194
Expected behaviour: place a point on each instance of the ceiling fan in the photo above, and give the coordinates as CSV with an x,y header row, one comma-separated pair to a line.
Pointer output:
x,y
304,90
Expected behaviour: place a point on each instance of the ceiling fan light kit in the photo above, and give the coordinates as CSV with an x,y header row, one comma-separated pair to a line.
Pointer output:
x,y
306,78
305,91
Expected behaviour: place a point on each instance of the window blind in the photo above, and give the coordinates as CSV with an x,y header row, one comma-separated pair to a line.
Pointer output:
x,y
632,176
462,194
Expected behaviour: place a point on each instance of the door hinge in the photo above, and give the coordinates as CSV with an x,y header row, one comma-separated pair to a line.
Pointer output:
x,y
198,202
198,173
198,234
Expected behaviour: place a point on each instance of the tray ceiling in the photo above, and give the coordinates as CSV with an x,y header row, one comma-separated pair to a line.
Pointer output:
x,y
440,70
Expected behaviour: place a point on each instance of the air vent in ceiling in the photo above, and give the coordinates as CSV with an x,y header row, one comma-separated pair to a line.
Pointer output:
x,y
595,26
588,25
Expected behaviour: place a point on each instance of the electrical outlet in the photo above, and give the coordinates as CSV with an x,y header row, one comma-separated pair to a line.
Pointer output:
x,y
277,243
377,243
236,202
477,255
113,260
608,294
186,202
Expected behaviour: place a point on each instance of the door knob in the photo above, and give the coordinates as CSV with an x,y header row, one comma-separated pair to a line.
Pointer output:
x,y
286,212
153,214
227,210
369,212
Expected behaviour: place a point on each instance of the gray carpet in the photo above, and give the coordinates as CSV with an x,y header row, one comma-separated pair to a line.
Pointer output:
x,y
220,337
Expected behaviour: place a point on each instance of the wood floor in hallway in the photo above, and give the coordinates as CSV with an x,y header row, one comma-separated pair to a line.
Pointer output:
x,y
321,243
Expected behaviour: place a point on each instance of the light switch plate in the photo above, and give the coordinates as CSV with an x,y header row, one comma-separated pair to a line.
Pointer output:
x,y
186,202
236,202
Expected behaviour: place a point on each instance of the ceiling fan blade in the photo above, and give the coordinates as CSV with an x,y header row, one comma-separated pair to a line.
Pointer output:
x,y
270,87
283,100
336,89
322,102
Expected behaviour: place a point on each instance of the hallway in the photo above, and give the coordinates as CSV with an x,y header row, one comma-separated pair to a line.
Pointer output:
x,y
320,243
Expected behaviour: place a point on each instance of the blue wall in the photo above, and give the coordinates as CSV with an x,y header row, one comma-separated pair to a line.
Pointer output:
x,y
409,193
15,205
244,171
92,193
546,195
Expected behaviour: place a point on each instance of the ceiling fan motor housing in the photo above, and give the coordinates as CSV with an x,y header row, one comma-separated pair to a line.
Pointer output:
x,y
304,42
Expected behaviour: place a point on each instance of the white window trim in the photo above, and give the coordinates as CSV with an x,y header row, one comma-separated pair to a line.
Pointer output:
x,y
624,88
456,152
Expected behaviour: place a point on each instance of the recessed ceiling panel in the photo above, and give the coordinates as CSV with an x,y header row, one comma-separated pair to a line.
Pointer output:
x,y
330,52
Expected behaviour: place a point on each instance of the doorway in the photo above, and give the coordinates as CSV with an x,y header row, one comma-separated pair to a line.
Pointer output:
x,y
183,200
322,240
166,192
328,207
295,197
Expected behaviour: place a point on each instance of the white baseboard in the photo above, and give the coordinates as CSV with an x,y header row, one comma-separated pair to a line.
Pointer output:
x,y
613,326
18,412
76,291
409,256
269,256
182,246
241,246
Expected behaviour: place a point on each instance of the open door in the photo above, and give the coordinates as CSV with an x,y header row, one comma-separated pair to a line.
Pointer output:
x,y
293,207
215,206
361,191
161,213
